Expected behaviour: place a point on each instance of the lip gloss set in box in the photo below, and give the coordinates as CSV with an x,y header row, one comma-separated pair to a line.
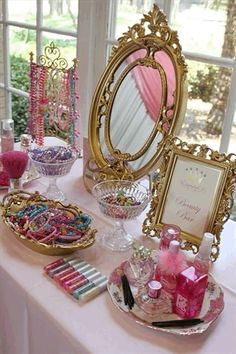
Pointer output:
x,y
77,277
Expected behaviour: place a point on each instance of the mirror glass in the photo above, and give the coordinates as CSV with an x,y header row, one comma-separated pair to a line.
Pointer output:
x,y
140,99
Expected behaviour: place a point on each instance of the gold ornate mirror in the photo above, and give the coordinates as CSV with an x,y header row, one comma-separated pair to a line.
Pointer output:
x,y
140,99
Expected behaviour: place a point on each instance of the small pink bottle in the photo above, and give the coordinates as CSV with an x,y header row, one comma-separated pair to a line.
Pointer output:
x,y
190,293
168,234
170,263
7,135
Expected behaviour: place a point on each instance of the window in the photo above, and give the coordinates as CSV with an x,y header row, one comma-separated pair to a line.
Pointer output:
x,y
207,32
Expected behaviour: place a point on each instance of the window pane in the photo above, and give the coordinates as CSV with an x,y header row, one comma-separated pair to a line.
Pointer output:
x,y
130,12
208,94
66,45
202,26
20,107
232,143
22,11
1,1
22,42
60,14
2,104
2,92
1,55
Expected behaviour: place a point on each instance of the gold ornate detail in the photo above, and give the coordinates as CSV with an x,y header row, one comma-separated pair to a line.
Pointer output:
x,y
221,208
52,58
152,35
56,93
16,200
152,25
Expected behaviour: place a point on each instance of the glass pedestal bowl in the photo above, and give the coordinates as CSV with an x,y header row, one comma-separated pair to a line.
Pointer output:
x,y
53,162
121,201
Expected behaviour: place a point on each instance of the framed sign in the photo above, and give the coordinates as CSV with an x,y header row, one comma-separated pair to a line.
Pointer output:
x,y
194,191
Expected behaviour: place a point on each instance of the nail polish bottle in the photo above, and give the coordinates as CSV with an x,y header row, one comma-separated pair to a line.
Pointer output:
x,y
139,268
169,233
170,263
150,299
202,260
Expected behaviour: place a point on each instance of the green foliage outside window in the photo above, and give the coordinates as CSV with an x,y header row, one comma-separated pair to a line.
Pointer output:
x,y
19,80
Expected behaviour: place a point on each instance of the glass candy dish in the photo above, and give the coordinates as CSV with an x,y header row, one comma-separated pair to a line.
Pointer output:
x,y
120,201
23,211
53,162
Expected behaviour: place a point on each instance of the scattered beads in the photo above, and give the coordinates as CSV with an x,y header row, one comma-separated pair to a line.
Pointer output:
x,y
52,154
117,205
46,224
121,199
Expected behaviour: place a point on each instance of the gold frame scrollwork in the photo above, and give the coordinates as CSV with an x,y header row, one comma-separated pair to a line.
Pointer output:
x,y
152,34
222,201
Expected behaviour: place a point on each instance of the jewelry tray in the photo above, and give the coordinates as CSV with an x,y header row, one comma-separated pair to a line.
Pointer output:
x,y
14,201
213,305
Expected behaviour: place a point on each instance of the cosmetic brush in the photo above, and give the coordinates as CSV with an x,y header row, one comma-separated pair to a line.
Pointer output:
x,y
128,296
14,163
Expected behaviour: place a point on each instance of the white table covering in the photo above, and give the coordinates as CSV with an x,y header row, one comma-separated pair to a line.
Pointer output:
x,y
37,317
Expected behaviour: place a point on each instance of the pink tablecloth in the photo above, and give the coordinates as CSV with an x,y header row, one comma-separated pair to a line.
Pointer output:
x,y
36,317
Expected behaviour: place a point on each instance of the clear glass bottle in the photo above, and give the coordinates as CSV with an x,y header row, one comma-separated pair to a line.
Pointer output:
x,y
169,233
151,299
25,142
139,268
7,135
202,260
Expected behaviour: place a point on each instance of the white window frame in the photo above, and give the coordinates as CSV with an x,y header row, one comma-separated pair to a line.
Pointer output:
x,y
91,50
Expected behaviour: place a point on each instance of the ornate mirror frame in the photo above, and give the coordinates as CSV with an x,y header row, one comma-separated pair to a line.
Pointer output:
x,y
152,34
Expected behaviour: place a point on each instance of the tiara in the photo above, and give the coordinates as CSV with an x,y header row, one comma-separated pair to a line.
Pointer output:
x,y
195,176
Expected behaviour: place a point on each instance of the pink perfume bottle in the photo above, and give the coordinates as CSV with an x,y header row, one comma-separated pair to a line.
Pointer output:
x,y
170,263
202,259
148,298
7,135
169,233
190,293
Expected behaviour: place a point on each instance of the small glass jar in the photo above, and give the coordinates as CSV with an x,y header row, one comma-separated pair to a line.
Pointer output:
x,y
169,233
140,267
25,142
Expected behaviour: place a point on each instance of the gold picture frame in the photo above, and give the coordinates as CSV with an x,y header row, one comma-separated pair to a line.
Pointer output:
x,y
194,191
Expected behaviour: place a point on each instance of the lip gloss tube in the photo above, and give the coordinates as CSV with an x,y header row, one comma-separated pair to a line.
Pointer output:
x,y
96,281
58,269
72,272
66,284
57,263
99,288
69,270
81,283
